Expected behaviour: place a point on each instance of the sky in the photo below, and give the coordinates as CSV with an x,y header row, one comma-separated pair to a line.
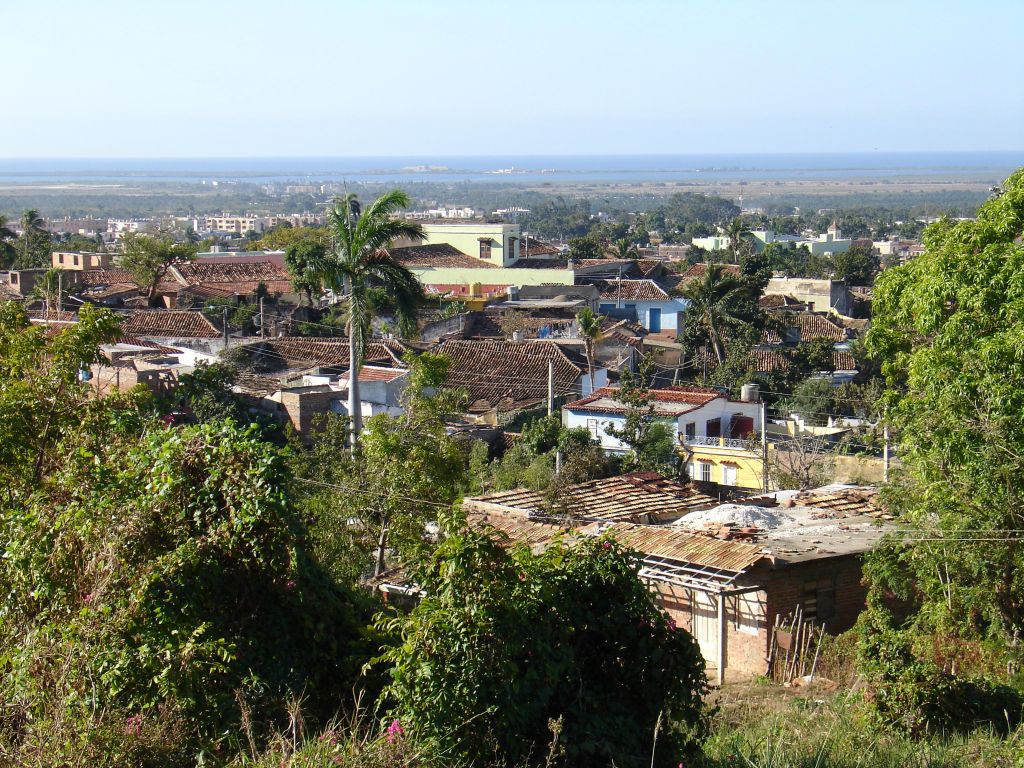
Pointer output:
x,y
304,78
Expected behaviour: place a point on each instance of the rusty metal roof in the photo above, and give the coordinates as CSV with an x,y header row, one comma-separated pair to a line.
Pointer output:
x,y
641,497
687,547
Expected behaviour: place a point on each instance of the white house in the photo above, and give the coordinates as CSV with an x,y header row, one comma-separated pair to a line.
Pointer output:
x,y
696,415
380,389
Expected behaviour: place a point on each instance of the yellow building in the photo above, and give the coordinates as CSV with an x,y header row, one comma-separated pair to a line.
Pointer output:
x,y
494,244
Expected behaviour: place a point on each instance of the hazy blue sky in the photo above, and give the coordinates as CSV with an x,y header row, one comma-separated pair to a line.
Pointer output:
x,y
316,77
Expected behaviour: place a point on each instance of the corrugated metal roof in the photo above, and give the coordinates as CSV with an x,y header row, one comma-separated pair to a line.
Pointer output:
x,y
637,497
687,547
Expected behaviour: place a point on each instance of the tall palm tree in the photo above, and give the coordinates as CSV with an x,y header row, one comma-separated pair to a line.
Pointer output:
x,y
32,234
7,234
712,300
359,260
736,230
590,329
624,249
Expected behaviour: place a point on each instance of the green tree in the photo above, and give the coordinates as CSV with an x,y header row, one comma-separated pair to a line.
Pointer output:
x,y
586,247
590,329
359,260
42,400
649,438
857,265
623,249
507,647
8,252
148,258
712,308
34,245
302,259
950,327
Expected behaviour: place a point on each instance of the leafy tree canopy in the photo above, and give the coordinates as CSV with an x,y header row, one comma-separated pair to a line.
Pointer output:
x,y
508,647
950,326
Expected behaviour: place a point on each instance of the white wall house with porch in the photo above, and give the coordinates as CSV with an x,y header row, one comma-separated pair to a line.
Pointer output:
x,y
693,414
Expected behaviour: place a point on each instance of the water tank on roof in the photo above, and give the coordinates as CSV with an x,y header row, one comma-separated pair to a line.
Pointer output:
x,y
750,393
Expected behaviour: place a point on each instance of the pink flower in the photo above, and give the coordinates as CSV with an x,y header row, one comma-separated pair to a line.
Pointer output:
x,y
289,585
394,731
133,725
606,545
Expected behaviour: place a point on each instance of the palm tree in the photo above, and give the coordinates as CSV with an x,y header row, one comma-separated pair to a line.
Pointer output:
x,y
32,234
712,299
358,261
624,249
590,329
6,236
736,231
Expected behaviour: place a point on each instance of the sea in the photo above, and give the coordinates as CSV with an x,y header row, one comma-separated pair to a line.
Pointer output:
x,y
579,169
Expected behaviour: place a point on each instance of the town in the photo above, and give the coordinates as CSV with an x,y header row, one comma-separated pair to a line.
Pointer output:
x,y
464,385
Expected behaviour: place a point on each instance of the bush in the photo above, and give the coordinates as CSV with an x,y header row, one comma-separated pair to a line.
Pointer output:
x,y
917,696
167,574
512,655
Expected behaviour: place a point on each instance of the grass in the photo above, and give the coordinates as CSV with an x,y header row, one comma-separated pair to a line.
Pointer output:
x,y
765,726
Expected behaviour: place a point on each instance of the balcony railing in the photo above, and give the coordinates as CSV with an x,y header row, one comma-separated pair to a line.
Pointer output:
x,y
718,442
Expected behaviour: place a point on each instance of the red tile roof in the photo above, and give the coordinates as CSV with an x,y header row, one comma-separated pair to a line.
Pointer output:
x,y
667,401
769,359
198,272
437,255
697,271
508,374
634,290
328,351
170,323
818,327
106,277
377,373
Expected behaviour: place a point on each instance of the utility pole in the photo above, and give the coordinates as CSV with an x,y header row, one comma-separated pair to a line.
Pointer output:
x,y
764,445
60,302
225,321
262,333
885,454
551,387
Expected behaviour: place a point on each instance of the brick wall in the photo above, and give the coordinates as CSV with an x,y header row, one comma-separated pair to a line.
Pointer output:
x,y
749,618
304,408
785,588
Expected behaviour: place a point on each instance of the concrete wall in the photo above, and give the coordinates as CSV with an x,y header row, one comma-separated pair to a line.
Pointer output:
x,y
824,294
450,276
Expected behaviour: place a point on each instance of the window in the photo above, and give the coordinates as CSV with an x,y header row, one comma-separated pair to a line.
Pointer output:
x,y
594,428
819,602
728,474
714,428
485,248
690,430
75,257
704,471
61,257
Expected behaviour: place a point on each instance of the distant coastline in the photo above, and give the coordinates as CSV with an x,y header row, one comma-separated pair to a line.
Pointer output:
x,y
530,169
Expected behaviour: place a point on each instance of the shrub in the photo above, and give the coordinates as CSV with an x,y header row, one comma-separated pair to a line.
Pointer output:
x,y
917,696
510,650
168,573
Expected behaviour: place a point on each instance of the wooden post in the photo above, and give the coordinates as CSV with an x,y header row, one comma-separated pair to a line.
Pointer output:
x,y
224,317
721,638
263,335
